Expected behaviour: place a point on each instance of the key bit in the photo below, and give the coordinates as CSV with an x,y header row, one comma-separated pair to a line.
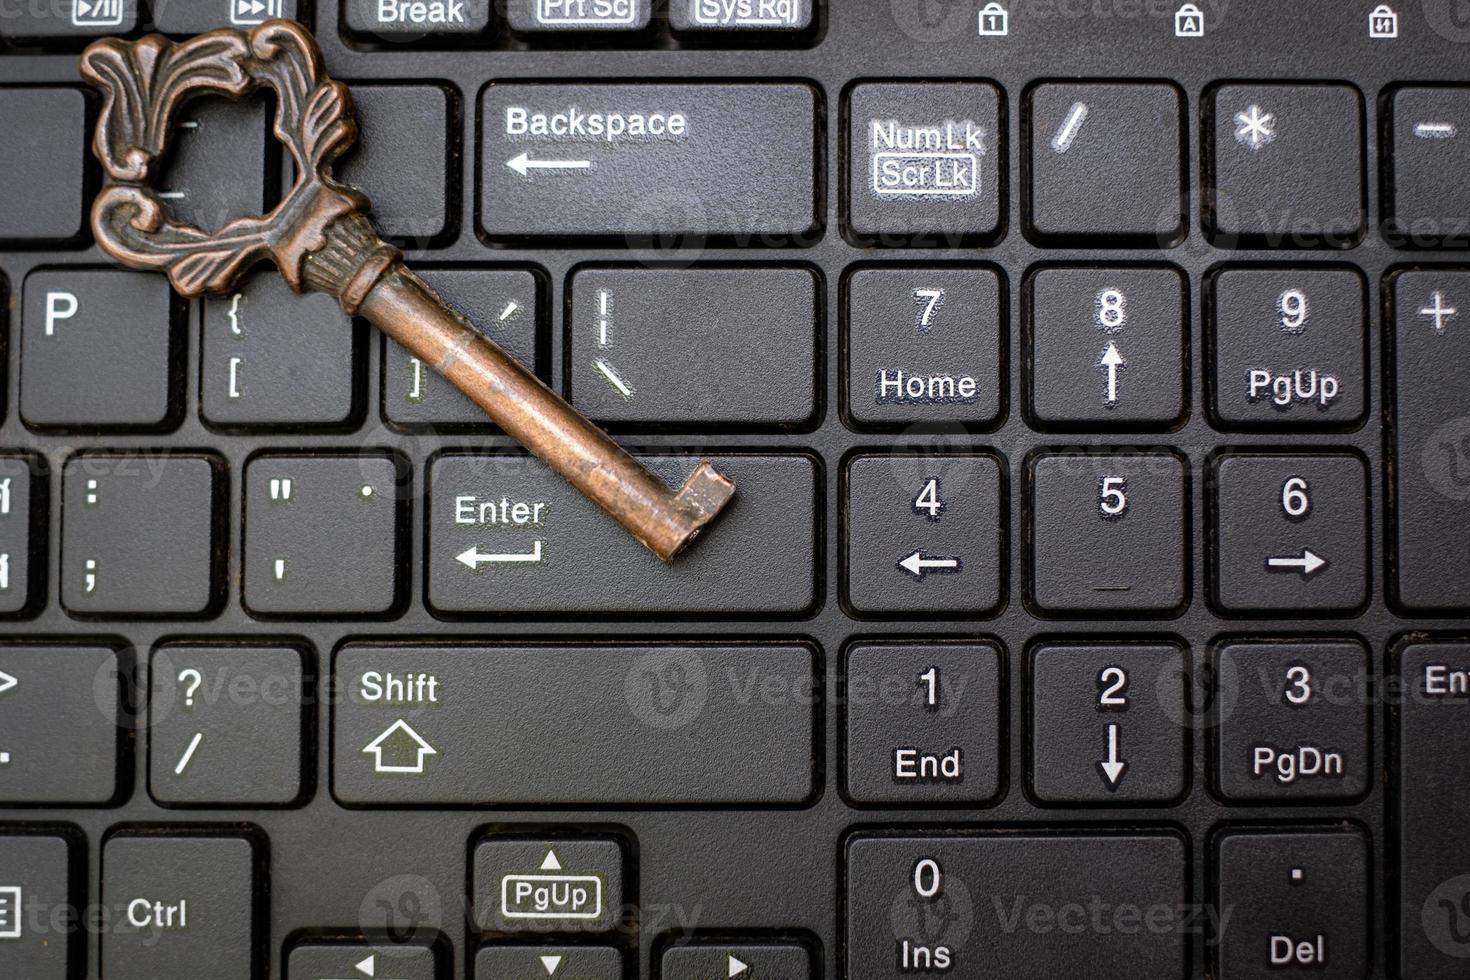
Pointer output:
x,y
321,239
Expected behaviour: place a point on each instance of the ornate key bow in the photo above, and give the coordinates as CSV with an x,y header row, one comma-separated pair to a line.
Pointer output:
x,y
321,239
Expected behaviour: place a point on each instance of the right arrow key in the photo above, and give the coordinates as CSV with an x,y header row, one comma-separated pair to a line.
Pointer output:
x,y
743,960
1291,533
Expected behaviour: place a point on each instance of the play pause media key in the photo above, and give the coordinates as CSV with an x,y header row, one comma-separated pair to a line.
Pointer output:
x,y
67,18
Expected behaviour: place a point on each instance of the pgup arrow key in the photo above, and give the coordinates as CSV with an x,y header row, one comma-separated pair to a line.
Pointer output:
x,y
1307,565
918,565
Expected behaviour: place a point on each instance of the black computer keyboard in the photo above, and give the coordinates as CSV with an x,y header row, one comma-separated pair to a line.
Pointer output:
x,y
1095,604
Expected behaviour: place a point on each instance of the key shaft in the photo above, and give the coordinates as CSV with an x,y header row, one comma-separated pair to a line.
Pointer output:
x,y
402,306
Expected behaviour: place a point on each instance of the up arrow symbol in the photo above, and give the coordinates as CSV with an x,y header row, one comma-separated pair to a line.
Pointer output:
x,y
552,863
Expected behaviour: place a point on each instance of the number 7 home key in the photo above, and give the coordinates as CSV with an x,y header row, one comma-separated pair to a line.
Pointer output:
x,y
321,239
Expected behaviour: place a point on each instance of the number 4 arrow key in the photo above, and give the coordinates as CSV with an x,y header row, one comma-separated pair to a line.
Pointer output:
x,y
918,565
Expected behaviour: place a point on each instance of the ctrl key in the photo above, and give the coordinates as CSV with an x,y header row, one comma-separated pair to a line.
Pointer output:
x,y
181,907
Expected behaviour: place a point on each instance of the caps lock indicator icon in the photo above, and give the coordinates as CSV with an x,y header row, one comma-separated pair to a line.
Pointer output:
x,y
1189,21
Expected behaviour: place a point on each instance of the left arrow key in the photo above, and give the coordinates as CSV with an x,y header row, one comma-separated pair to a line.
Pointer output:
x,y
320,960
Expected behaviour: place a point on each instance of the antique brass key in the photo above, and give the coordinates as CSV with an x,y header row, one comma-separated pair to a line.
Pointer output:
x,y
320,238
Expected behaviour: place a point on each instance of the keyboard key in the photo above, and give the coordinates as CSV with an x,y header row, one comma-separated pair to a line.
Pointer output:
x,y
1108,533
1431,773
1106,723
709,960
1292,720
109,334
1431,444
507,962
186,907
508,535
924,345
1289,347
219,159
40,935
37,919
60,716
1107,347
1284,166
1291,533
142,535
225,725
323,535
1107,163
927,162
659,725
923,723
577,16
22,517
1430,141
503,305
402,160
740,15
924,535
312,960
198,16
62,20
567,884
271,357
974,906
409,20
44,194
673,346
670,161
1298,904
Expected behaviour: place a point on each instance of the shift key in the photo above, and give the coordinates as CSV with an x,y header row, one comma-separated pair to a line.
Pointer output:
x,y
629,161
593,724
